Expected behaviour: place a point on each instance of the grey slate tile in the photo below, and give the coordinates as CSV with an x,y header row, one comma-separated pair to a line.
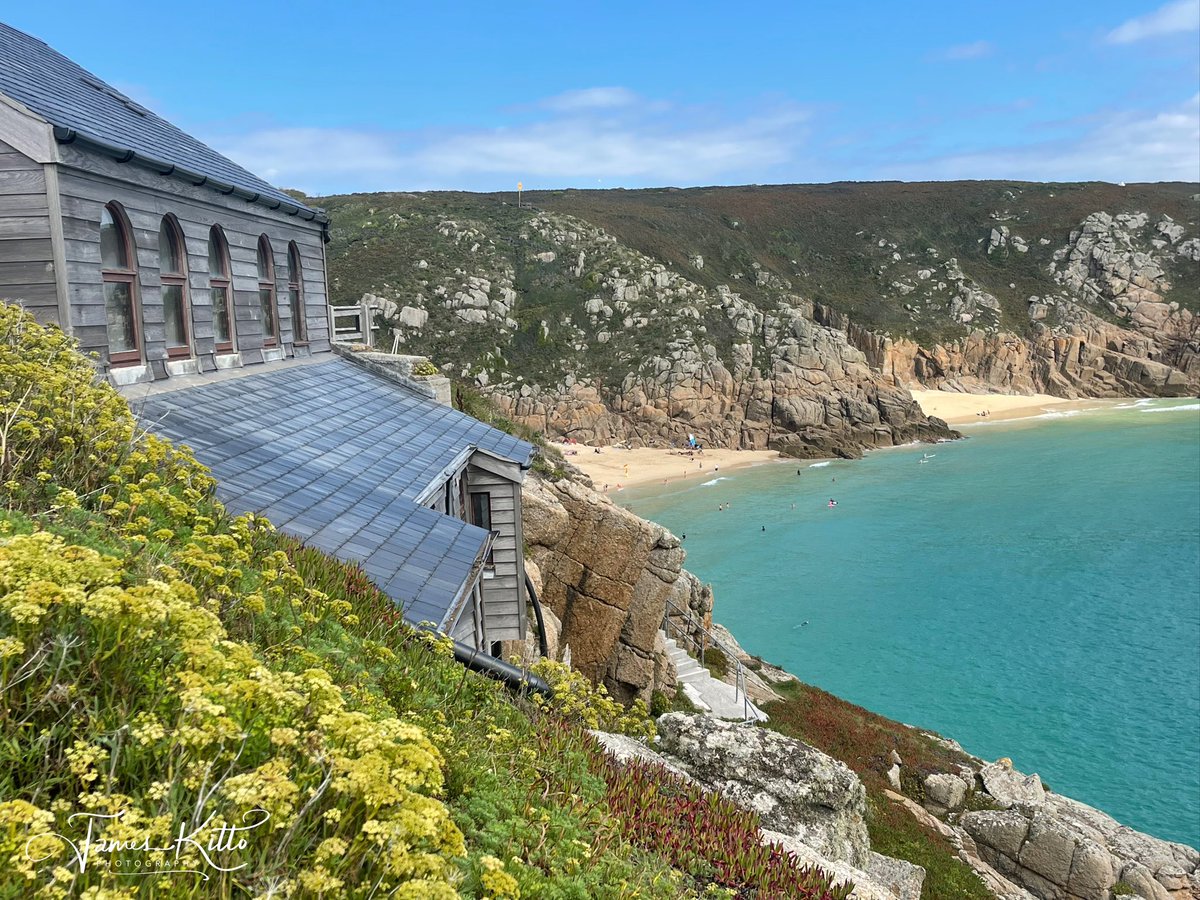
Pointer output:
x,y
369,448
67,95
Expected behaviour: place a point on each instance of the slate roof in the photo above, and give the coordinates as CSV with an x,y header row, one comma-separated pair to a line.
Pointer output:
x,y
336,456
69,96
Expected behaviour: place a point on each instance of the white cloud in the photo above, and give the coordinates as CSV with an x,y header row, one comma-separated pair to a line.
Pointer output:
x,y
1173,18
304,157
643,143
1113,146
590,99
962,52
607,135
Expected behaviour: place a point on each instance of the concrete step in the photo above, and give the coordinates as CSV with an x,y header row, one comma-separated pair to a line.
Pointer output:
x,y
708,694
694,696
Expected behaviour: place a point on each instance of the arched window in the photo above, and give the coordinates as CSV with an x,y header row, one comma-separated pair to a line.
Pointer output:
x,y
119,273
219,291
266,292
172,273
296,293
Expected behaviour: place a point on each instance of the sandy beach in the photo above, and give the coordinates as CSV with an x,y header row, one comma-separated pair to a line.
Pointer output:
x,y
619,468
613,469
964,409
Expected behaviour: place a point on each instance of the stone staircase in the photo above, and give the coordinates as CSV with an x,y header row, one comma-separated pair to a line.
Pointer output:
x,y
708,694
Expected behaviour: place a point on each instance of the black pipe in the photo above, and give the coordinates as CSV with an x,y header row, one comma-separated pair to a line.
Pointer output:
x,y
537,614
478,661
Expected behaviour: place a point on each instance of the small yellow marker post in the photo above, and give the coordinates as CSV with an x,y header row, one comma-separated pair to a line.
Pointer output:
x,y
518,195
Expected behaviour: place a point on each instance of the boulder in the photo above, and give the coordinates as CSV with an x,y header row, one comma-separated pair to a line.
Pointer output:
x,y
903,879
1003,831
412,317
1010,788
794,788
1049,849
1142,880
944,791
1092,872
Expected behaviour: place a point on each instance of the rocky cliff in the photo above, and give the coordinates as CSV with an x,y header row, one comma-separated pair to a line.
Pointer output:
x,y
606,578
809,804
792,317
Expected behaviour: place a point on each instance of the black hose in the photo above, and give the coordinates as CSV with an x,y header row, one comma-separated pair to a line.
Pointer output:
x,y
537,614
478,661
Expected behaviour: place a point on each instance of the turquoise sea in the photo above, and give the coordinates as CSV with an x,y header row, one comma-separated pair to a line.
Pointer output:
x,y
1032,591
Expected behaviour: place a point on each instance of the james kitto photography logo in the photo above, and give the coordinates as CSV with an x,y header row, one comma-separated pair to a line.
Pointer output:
x,y
192,851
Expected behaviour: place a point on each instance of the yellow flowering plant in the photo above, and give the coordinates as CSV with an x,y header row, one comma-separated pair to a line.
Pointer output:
x,y
164,664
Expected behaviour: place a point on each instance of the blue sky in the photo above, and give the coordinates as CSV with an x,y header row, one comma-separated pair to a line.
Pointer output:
x,y
476,96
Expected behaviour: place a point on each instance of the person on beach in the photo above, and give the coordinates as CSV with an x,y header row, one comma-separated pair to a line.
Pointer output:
x,y
626,470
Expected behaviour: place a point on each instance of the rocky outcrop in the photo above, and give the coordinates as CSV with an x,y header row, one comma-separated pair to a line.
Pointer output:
x,y
1110,330
968,852
1052,846
1087,357
1061,849
791,787
795,384
606,577
794,788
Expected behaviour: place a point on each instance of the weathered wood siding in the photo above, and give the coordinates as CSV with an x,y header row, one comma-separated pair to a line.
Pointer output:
x,y
468,628
89,181
503,594
26,251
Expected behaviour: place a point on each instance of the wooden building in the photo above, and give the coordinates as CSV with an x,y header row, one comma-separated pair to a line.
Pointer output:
x,y
157,253
201,289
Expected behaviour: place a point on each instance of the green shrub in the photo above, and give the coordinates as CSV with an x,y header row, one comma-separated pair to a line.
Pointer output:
x,y
589,705
716,662
660,704
705,835
1123,889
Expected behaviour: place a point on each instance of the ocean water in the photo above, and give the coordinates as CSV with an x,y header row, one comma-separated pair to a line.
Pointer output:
x,y
1032,592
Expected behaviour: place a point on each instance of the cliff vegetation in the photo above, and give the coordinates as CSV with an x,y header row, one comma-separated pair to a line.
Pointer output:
x,y
194,705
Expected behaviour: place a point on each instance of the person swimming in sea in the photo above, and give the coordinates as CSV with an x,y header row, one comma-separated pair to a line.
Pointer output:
x,y
832,503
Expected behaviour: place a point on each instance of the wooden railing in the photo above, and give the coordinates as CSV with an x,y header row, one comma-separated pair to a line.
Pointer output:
x,y
353,324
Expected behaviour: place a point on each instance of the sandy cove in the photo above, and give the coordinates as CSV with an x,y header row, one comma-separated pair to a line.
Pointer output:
x,y
616,468
964,409
619,468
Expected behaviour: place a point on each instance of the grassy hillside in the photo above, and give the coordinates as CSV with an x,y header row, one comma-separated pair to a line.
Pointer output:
x,y
857,247
234,714
825,238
